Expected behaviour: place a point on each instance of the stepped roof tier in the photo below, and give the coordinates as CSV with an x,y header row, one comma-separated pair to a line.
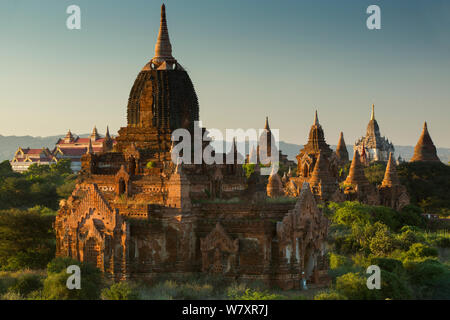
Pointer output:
x,y
425,149
323,184
308,156
161,100
378,147
316,140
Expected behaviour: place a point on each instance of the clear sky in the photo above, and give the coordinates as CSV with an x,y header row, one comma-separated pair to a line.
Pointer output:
x,y
247,59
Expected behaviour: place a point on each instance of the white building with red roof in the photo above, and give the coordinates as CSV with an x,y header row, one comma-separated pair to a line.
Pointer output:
x,y
73,148
69,147
25,157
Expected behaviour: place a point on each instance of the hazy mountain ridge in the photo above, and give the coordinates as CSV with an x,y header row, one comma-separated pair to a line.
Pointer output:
x,y
9,145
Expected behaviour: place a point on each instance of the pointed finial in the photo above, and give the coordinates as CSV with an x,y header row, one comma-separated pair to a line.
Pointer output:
x,y
425,127
90,150
266,126
234,145
107,136
372,117
163,48
316,119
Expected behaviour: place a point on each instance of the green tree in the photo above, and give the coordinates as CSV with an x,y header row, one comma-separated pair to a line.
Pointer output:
x,y
55,287
27,239
119,291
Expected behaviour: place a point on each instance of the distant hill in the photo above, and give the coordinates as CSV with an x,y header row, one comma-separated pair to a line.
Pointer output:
x,y
9,145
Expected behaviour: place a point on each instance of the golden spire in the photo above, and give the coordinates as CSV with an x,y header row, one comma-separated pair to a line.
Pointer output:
x,y
163,48
90,150
266,126
316,119
372,117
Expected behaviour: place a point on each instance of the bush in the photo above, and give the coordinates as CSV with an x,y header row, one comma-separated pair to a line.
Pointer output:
x,y
427,184
27,239
330,295
250,294
390,265
420,251
411,215
337,261
6,281
119,291
353,286
26,284
392,287
55,284
429,278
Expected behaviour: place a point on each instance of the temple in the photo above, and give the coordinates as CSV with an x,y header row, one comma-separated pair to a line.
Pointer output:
x,y
425,151
373,145
341,151
322,175
73,147
25,157
392,193
137,214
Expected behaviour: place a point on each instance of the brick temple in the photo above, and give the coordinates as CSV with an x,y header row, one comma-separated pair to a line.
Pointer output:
x,y
136,214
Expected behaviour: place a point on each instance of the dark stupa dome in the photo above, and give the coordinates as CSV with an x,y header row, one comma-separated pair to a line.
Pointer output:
x,y
163,96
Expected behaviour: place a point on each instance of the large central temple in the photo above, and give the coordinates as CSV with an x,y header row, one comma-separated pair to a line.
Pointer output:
x,y
138,212
135,213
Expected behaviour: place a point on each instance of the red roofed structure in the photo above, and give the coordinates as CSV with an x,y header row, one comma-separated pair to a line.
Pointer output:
x,y
69,147
25,157
73,148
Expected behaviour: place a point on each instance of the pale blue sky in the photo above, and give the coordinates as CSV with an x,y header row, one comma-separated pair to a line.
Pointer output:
x,y
247,59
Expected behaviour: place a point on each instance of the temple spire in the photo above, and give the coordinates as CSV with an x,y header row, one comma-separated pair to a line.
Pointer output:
x,y
425,149
316,119
107,136
266,126
356,174
90,149
390,176
341,150
163,48
94,134
372,117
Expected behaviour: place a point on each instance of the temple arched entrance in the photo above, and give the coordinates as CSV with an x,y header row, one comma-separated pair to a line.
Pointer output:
x,y
122,186
309,262
92,252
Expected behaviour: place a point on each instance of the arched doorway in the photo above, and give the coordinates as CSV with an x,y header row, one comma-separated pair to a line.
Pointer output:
x,y
309,262
122,186
132,166
91,252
